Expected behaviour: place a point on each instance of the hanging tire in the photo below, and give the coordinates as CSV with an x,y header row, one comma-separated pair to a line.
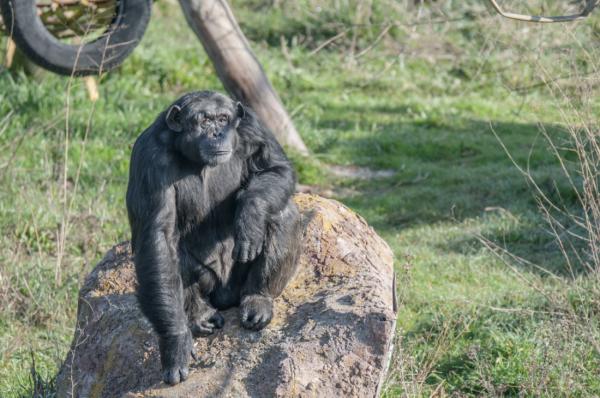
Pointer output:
x,y
104,53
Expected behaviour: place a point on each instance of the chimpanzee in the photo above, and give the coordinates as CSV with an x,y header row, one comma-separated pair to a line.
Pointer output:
x,y
212,222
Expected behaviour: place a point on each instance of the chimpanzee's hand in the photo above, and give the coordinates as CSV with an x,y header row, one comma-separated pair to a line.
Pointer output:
x,y
175,352
249,241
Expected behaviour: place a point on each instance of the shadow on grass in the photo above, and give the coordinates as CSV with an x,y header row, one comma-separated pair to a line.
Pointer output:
x,y
452,171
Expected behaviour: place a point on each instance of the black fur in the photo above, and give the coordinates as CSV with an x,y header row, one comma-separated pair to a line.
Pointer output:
x,y
212,222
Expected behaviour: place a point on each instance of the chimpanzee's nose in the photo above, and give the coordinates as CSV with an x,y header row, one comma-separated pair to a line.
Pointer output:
x,y
214,132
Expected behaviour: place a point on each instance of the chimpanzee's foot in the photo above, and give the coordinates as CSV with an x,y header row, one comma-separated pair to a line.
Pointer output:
x,y
206,323
256,311
175,353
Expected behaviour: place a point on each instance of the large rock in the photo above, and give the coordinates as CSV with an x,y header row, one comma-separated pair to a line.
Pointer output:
x,y
331,335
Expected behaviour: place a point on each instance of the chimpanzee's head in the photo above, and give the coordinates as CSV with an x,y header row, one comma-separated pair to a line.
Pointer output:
x,y
205,126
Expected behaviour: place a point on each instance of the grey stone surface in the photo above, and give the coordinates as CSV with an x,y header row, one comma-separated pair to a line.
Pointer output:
x,y
331,335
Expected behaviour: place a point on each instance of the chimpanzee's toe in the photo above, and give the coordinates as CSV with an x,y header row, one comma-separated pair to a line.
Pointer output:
x,y
256,311
207,324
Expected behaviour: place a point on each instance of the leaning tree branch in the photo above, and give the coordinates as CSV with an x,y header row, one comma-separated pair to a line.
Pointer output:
x,y
237,66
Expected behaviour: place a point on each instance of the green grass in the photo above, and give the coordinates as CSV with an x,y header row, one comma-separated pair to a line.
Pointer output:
x,y
424,103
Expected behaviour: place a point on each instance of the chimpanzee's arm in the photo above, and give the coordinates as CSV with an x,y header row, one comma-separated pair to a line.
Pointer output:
x,y
152,213
160,289
267,192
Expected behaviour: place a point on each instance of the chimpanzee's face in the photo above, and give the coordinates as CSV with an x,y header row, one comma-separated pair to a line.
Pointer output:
x,y
206,128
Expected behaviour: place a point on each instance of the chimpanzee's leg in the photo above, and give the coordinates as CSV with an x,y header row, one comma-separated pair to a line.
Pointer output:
x,y
271,271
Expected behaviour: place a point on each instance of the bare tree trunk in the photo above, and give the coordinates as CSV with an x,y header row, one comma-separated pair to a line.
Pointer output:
x,y
237,67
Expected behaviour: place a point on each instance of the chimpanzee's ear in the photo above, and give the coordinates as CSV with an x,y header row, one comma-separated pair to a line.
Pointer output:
x,y
173,118
241,112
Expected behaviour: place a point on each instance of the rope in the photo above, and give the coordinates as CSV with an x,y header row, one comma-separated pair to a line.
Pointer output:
x,y
590,5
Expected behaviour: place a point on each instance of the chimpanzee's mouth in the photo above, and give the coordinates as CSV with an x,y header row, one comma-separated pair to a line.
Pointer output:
x,y
217,157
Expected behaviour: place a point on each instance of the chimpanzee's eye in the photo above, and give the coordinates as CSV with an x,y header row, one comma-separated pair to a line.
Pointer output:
x,y
223,119
204,121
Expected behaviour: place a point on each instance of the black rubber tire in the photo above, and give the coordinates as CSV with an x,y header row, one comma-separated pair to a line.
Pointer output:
x,y
103,54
